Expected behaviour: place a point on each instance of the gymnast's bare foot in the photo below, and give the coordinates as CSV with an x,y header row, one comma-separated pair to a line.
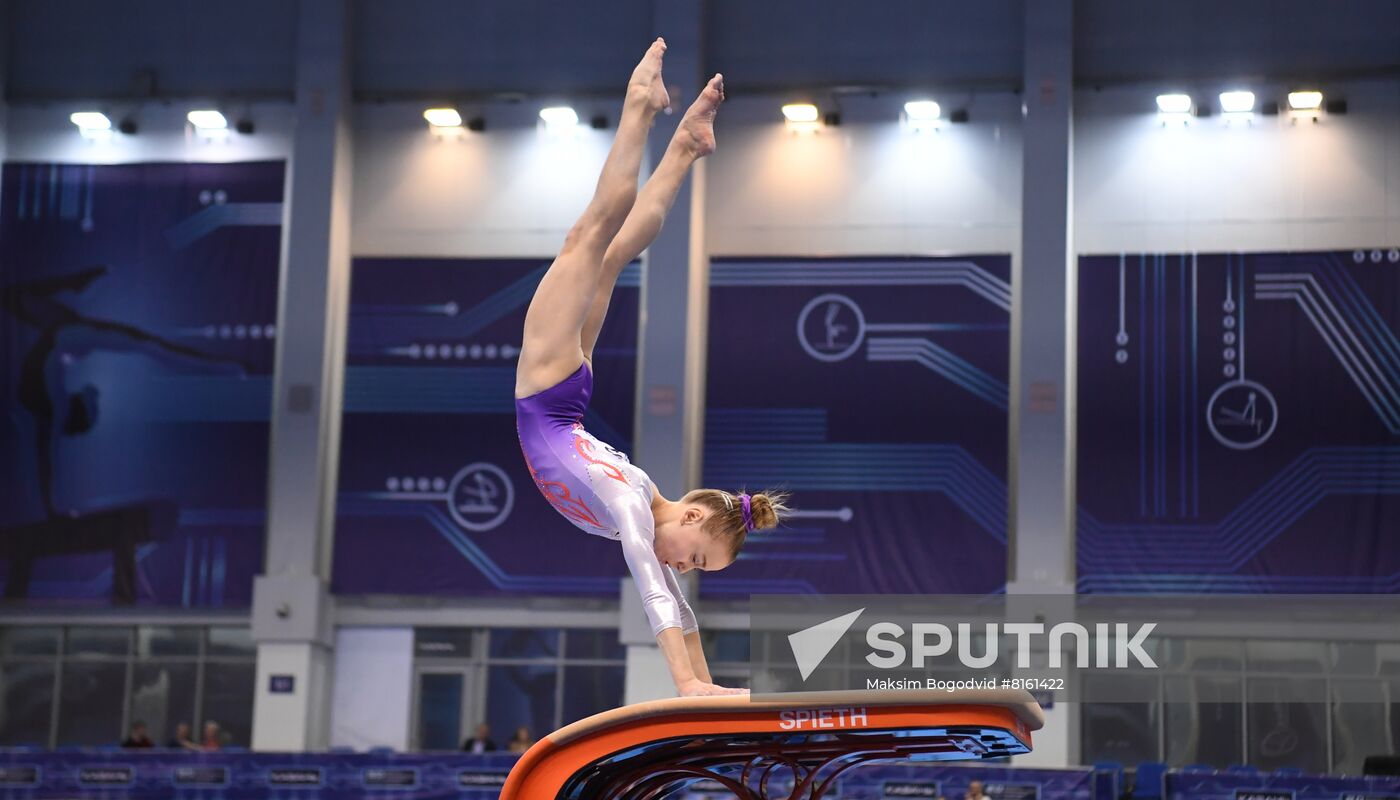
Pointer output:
x,y
647,83
697,129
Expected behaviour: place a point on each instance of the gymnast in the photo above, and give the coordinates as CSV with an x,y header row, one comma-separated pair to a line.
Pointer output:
x,y
592,484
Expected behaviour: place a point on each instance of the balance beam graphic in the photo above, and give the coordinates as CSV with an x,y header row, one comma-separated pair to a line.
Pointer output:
x,y
804,741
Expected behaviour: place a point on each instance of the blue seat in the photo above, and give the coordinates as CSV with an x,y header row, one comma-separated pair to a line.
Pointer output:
x,y
1114,774
1108,766
1288,771
233,748
1198,768
342,750
1150,781
1243,769
381,751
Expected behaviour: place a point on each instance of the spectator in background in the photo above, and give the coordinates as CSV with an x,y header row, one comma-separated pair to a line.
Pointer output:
x,y
138,736
521,741
974,792
213,738
481,741
182,740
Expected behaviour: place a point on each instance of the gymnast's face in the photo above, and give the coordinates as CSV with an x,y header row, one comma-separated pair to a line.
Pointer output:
x,y
683,543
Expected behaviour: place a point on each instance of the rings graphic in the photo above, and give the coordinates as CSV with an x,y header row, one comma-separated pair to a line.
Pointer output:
x,y
833,334
1242,415
480,496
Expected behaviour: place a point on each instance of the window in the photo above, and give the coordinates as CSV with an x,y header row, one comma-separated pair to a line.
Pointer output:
x,y
1283,730
163,694
231,642
1315,706
1365,718
1126,732
441,699
529,643
227,699
1205,720
590,689
538,678
86,685
29,641
522,694
724,647
27,703
595,644
90,703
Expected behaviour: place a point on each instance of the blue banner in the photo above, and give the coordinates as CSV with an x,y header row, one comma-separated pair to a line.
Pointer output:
x,y
252,776
1239,422
417,776
875,390
138,306
1232,785
882,781
434,495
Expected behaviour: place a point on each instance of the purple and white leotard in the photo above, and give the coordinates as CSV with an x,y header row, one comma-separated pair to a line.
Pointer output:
x,y
597,489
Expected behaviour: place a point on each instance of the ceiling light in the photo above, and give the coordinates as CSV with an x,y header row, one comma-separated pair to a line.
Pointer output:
x,y
921,110
443,117
1237,102
559,117
1174,103
800,112
208,120
1305,101
92,124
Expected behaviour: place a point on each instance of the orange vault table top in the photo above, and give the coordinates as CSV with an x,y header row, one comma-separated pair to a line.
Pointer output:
x,y
799,742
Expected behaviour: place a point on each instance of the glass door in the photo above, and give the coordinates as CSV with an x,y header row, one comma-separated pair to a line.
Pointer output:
x,y
443,697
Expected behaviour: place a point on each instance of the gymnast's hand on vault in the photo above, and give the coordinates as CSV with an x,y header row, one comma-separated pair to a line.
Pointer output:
x,y
699,688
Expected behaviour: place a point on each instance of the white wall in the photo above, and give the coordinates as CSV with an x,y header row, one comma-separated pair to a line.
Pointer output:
x,y
1213,186
44,134
866,187
373,692
512,190
869,187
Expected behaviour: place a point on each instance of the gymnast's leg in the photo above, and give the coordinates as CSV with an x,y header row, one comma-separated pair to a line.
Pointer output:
x,y
549,350
694,139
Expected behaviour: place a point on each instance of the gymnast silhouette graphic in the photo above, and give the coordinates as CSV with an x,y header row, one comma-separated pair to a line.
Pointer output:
x,y
64,335
590,483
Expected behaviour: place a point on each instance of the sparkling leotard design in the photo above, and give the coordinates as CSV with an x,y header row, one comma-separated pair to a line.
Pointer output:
x,y
599,490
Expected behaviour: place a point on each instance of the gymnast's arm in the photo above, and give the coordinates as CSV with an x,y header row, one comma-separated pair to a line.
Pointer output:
x,y
697,657
672,621
690,629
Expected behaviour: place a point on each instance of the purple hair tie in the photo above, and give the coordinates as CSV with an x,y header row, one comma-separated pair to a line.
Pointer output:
x,y
748,512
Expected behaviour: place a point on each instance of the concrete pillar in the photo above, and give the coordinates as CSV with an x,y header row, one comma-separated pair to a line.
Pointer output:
x,y
675,290
291,605
1042,358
